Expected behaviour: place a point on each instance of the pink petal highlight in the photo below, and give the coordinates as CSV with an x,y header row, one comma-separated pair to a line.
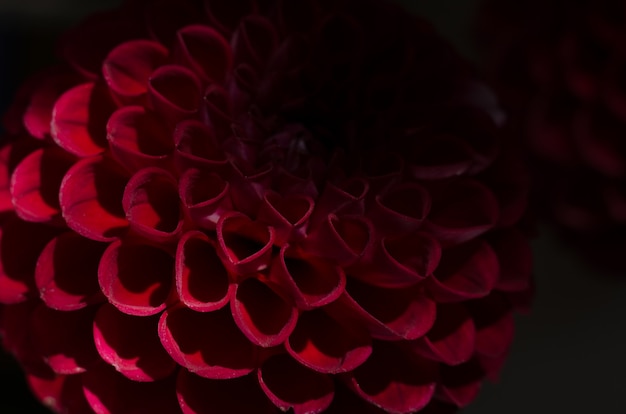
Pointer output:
x,y
218,351
262,314
205,51
289,385
90,198
206,197
175,92
67,272
326,345
152,205
202,280
131,345
139,138
35,185
79,119
127,68
136,278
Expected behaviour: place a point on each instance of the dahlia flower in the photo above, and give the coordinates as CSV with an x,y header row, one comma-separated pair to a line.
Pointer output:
x,y
258,207
560,69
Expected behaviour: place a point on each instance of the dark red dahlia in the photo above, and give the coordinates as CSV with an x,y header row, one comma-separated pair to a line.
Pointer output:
x,y
256,208
561,69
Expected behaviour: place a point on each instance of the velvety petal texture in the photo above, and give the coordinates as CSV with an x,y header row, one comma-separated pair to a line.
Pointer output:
x,y
258,206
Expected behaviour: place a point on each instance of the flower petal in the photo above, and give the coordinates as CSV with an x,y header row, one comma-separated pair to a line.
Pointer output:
x,y
460,384
67,272
91,199
136,278
218,351
515,258
175,92
290,385
206,197
59,392
131,345
401,209
197,147
206,51
288,215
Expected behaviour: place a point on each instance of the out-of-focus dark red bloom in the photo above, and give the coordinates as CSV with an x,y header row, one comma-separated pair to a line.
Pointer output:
x,y
258,208
560,67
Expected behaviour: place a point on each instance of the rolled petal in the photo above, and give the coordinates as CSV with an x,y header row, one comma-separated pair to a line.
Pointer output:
x,y
91,199
465,272
127,68
462,211
384,170
389,314
348,402
262,314
35,185
202,280
109,392
197,147
402,209
64,338
327,345
197,395
139,138
394,381
290,385
59,392
217,111
248,186
310,281
79,119
245,245
452,338
218,351
67,272
131,345
206,197
205,51
152,205
347,196
136,278
254,40
288,215
175,92
344,239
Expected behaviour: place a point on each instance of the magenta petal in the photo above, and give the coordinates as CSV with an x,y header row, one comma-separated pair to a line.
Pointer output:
x,y
217,111
35,185
288,215
127,68
290,385
21,244
452,338
342,239
175,92
393,380
64,338
515,258
206,197
139,138
197,147
136,278
248,185
201,279
131,344
205,51
466,271
460,384
327,345
263,315
311,282
461,211
197,395
347,402
347,197
91,199
400,261
389,314
79,119
152,205
60,393
64,282
109,392
245,245
400,210
218,350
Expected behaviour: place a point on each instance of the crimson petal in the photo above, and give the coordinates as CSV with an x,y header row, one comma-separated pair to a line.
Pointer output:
x,y
400,210
79,119
175,92
35,185
218,350
152,205
197,147
326,345
201,279
460,384
67,272
136,278
60,393
288,215
127,68
90,199
348,197
206,197
206,51
290,385
131,345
